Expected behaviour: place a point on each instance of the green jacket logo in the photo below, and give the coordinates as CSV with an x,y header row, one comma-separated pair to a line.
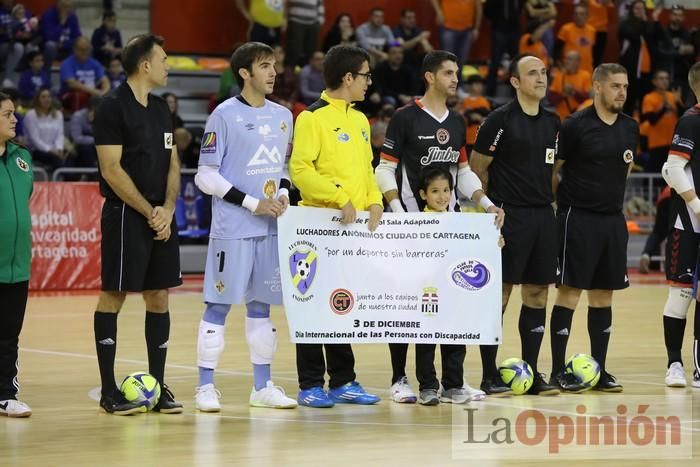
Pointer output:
x,y
23,166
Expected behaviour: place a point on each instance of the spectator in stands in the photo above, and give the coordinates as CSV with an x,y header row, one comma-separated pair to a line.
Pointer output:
x,y
286,89
188,142
43,126
25,28
172,102
660,108
115,73
342,32
394,80
459,22
598,18
377,133
228,86
577,35
33,78
11,52
415,40
59,29
82,136
311,81
570,86
531,41
106,39
19,115
475,107
504,16
304,20
266,20
374,36
683,52
539,12
81,77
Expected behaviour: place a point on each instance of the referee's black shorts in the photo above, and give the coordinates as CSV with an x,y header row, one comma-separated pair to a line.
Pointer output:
x,y
530,253
132,260
592,249
681,257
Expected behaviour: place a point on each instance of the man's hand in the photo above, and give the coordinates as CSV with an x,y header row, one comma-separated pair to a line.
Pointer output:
x,y
269,207
163,234
285,203
500,215
161,218
375,215
348,213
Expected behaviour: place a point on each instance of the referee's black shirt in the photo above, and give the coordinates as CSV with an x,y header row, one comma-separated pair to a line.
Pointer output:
x,y
146,137
597,158
523,148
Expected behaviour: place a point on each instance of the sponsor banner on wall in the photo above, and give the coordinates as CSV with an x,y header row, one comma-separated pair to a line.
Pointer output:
x,y
420,277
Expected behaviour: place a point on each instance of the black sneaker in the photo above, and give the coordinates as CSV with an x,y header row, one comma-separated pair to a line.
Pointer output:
x,y
116,404
567,382
495,387
541,388
607,383
167,402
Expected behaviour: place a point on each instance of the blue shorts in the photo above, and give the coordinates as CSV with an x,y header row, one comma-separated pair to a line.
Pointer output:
x,y
242,271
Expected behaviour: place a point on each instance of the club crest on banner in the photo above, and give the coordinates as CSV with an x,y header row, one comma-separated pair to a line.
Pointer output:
x,y
302,266
470,275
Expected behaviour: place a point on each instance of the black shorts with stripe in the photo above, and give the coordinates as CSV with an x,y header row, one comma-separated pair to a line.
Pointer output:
x,y
592,249
530,253
681,256
132,260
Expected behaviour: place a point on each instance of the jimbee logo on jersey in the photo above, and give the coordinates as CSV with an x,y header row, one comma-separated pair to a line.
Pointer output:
x,y
628,156
208,143
442,135
303,263
341,301
470,274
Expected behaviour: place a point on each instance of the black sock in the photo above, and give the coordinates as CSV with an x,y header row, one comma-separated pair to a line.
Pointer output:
x,y
105,325
398,361
599,328
696,342
489,370
157,334
531,327
559,331
674,329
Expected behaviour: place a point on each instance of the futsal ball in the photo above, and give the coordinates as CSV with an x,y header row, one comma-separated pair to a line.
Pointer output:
x,y
303,268
584,368
516,374
142,388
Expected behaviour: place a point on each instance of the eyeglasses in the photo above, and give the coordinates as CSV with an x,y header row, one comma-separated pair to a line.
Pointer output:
x,y
367,76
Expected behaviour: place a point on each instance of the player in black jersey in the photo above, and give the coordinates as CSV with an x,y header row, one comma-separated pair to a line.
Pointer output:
x,y
680,171
140,180
513,155
421,134
596,151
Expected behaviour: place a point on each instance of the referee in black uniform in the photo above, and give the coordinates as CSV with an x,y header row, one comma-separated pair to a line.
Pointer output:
x,y
140,180
513,155
596,150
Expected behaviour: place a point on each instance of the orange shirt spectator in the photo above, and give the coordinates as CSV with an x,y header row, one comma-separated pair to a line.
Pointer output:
x,y
579,36
598,15
531,41
587,103
470,105
570,86
458,14
661,111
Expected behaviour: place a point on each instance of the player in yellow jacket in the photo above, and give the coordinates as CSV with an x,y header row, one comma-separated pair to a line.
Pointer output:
x,y
331,165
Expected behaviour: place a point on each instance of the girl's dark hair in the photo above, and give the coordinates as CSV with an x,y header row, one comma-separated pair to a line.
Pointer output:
x,y
432,173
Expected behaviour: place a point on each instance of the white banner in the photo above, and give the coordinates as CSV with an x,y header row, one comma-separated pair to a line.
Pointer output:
x,y
419,278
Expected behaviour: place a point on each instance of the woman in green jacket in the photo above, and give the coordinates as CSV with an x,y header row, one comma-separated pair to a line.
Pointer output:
x,y
16,182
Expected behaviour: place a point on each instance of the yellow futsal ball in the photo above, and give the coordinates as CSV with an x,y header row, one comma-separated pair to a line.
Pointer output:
x,y
584,368
141,387
516,374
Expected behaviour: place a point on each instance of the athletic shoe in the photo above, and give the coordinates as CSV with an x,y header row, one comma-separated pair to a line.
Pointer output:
x,y
352,393
206,399
495,387
116,404
272,397
675,376
402,393
567,382
541,388
314,397
474,394
607,383
696,379
454,396
428,397
167,403
14,409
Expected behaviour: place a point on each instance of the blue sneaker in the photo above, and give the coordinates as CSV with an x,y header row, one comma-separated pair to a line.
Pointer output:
x,y
352,393
314,397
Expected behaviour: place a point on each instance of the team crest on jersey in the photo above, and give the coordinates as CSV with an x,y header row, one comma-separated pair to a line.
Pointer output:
x,y
208,143
283,127
343,137
270,188
442,136
628,156
302,266
219,285
22,164
365,135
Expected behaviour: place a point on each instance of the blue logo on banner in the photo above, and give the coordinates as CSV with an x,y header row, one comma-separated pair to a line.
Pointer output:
x,y
302,265
470,275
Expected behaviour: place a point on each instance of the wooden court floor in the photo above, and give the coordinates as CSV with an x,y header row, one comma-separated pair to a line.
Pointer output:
x,y
59,379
